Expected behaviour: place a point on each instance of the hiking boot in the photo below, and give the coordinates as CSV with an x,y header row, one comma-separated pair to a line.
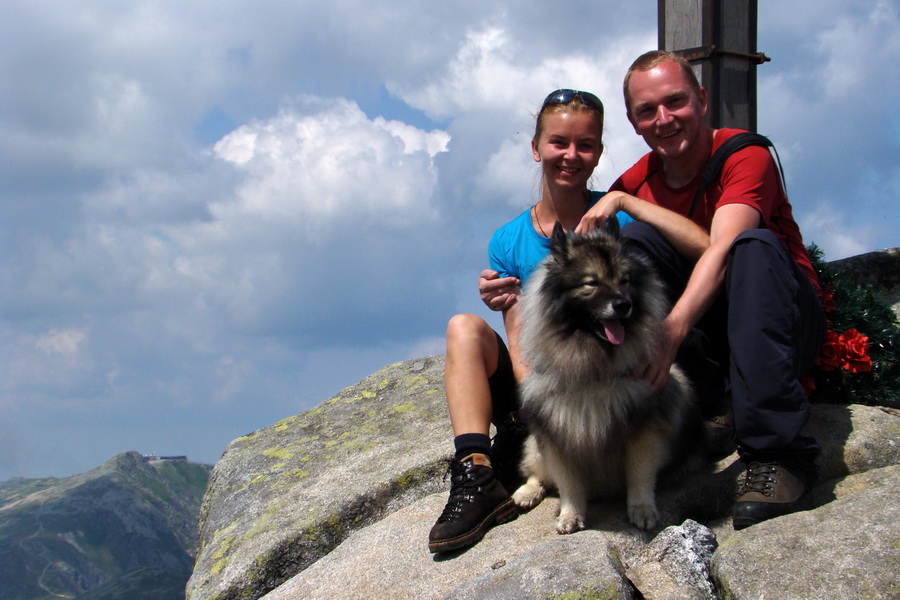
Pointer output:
x,y
506,452
477,502
719,435
768,490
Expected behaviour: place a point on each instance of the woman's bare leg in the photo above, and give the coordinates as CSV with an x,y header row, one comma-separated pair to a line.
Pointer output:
x,y
472,356
477,500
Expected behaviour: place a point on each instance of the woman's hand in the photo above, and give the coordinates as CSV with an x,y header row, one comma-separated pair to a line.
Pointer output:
x,y
498,293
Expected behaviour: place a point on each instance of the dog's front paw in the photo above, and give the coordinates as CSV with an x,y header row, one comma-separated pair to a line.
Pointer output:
x,y
569,523
529,495
644,516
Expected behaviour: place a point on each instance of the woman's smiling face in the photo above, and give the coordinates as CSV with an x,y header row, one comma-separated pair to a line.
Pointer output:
x,y
569,147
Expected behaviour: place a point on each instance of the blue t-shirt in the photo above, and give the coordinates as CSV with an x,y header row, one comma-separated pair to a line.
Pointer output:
x,y
516,248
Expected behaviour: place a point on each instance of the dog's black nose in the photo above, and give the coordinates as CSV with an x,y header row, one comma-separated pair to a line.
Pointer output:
x,y
622,306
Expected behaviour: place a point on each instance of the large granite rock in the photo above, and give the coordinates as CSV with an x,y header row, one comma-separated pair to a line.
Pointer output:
x,y
847,548
282,497
879,269
337,503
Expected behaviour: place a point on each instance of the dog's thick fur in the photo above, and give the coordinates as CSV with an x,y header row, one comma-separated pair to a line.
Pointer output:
x,y
590,317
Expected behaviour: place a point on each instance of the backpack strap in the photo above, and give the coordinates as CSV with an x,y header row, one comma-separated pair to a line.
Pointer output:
x,y
714,166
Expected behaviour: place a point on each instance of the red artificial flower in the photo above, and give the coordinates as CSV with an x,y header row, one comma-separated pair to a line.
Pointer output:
x,y
848,351
856,357
831,355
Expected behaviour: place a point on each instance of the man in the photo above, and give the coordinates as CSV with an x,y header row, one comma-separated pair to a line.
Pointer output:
x,y
749,303
754,283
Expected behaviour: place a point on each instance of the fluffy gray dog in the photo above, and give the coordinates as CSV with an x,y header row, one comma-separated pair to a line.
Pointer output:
x,y
590,317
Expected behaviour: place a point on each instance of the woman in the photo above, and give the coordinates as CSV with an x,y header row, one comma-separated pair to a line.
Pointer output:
x,y
481,373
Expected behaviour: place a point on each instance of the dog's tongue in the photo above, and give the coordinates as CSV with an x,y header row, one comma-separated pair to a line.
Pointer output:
x,y
615,333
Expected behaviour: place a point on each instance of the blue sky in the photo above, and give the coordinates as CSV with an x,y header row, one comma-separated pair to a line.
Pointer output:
x,y
215,215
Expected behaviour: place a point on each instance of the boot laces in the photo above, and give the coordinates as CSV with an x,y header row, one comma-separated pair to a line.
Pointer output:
x,y
462,489
760,478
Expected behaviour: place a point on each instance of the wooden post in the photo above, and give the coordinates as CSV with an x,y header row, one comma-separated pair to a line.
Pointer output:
x,y
718,37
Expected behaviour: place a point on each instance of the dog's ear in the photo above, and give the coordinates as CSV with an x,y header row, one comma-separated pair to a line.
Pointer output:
x,y
559,242
612,227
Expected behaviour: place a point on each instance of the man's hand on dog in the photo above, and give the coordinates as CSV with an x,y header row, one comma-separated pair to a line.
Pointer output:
x,y
656,370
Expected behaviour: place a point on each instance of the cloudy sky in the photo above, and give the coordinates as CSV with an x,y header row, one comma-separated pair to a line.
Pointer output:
x,y
214,215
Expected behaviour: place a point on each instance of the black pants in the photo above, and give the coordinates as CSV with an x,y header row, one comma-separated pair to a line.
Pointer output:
x,y
504,387
761,335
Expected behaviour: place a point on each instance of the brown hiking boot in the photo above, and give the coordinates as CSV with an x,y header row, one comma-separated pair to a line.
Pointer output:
x,y
768,490
477,502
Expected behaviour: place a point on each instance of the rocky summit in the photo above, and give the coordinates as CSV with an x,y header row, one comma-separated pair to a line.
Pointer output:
x,y
337,502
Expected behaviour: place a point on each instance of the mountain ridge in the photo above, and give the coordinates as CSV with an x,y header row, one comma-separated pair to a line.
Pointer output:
x,y
122,526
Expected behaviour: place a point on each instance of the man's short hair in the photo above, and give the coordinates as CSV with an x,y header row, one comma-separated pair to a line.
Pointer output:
x,y
652,59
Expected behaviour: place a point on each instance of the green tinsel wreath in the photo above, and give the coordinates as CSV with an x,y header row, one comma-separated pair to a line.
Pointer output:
x,y
858,362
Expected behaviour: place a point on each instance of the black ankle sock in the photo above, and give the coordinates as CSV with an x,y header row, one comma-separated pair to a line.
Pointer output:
x,y
468,443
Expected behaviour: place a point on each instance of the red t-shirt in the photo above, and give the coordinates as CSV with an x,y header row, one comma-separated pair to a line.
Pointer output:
x,y
749,176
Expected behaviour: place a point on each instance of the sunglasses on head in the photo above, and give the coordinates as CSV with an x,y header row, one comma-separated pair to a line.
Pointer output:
x,y
565,96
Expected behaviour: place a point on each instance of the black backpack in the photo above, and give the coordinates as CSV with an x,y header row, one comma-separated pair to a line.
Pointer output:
x,y
729,147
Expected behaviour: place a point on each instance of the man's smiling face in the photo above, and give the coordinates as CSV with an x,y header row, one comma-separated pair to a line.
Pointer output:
x,y
666,109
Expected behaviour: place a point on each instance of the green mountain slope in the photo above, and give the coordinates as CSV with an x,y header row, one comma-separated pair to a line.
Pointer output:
x,y
127,529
